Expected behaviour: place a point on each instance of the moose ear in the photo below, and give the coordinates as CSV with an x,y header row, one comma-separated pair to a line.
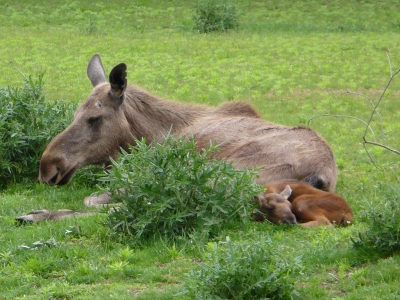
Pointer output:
x,y
95,71
118,82
286,192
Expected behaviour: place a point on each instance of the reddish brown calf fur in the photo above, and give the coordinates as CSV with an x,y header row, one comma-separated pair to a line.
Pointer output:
x,y
311,206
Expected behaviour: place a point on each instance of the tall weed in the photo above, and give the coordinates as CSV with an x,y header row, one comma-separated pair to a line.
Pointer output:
x,y
243,271
171,188
27,124
383,233
215,15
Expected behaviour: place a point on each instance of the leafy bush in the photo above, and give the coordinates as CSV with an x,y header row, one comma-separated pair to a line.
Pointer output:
x,y
27,124
215,15
171,188
243,271
383,232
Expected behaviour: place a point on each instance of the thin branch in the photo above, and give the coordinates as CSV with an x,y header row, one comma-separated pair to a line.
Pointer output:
x,y
383,135
382,146
343,116
369,155
392,76
379,101
363,95
374,111
372,104
390,64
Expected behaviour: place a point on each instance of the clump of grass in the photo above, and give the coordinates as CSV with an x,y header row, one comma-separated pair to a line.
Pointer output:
x,y
90,27
27,124
383,233
215,15
170,188
243,271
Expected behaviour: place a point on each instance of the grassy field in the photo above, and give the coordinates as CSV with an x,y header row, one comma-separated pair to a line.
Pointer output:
x,y
293,60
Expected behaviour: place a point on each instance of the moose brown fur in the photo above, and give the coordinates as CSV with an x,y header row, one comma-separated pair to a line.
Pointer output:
x,y
287,200
52,215
115,114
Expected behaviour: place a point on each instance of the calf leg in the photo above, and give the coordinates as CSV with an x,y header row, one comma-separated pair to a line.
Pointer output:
x,y
319,221
309,215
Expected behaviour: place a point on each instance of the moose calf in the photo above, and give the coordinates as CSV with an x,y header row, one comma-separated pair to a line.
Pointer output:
x,y
286,201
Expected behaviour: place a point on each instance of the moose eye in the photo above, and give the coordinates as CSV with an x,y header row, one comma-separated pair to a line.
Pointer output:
x,y
94,121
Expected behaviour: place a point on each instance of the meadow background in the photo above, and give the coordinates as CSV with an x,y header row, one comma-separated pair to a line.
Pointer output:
x,y
292,60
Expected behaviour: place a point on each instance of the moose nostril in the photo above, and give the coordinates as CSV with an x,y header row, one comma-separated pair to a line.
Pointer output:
x,y
53,180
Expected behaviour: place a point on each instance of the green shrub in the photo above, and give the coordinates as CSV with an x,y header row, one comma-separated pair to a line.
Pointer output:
x,y
383,232
243,271
215,15
170,188
27,124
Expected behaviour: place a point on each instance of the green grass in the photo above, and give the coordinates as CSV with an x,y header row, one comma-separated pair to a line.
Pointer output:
x,y
292,60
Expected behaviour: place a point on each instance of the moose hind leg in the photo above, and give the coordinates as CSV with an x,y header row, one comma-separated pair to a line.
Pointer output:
x,y
97,201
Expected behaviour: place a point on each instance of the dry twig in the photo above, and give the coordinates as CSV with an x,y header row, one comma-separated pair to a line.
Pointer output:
x,y
373,113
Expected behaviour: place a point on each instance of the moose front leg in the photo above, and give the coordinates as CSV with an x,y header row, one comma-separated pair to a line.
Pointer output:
x,y
52,215
55,215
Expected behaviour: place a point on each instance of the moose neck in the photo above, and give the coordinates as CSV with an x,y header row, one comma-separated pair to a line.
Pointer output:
x,y
151,117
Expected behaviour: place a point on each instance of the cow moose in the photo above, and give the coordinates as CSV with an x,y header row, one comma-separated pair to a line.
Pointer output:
x,y
289,201
115,114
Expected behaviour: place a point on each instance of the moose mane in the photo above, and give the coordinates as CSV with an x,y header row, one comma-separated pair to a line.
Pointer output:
x,y
151,117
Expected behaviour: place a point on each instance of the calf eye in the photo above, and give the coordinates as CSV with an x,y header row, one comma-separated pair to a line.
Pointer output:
x,y
94,121
270,208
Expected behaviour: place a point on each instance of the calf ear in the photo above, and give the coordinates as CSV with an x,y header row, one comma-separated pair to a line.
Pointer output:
x,y
95,71
286,192
118,83
270,209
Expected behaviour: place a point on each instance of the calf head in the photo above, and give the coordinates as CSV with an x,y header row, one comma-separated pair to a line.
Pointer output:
x,y
276,207
97,132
